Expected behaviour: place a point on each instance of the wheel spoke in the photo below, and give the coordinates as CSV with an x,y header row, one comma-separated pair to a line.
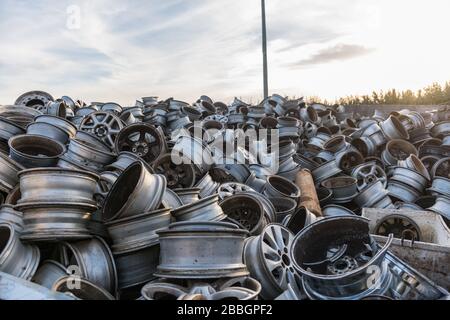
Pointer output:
x,y
110,140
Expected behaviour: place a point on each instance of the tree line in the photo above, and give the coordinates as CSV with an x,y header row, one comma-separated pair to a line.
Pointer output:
x,y
434,94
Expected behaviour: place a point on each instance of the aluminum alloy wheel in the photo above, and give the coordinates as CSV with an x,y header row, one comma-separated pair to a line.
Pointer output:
x,y
20,289
397,150
91,140
193,151
399,205
277,186
65,125
83,112
245,211
255,183
11,216
229,189
441,206
48,273
87,290
441,129
57,185
13,196
301,218
233,172
325,171
124,160
267,257
336,144
333,256
177,175
142,139
162,291
21,116
441,168
365,146
54,108
136,232
347,160
401,226
135,191
32,98
18,259
106,181
171,200
112,107
440,186
104,125
206,209
47,130
137,267
367,174
207,186
55,221
414,163
188,196
344,188
35,151
9,129
201,250
393,129
335,210
409,177
8,173
95,262
371,195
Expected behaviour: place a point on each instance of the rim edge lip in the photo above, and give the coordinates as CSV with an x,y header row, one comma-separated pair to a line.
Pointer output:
x,y
317,276
93,175
27,156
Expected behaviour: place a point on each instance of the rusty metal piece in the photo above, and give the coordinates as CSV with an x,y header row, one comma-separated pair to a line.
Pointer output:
x,y
308,194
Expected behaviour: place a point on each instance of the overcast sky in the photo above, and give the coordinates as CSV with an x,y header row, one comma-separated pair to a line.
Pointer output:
x,y
124,50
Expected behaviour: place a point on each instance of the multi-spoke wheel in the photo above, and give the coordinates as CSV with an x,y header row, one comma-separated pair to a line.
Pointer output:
x,y
367,174
143,140
401,226
441,168
181,176
228,189
104,125
268,259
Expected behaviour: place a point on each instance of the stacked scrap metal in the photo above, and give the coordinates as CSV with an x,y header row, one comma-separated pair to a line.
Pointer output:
x,y
151,202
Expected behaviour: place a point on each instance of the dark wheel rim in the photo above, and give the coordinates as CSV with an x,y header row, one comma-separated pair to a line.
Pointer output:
x,y
141,139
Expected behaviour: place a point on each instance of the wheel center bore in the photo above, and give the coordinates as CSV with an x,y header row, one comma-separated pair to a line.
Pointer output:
x,y
286,259
101,130
140,148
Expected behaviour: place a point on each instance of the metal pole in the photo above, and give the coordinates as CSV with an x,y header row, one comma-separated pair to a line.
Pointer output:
x,y
264,49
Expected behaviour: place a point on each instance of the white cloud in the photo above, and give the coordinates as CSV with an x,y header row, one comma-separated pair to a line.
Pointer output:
x,y
125,50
